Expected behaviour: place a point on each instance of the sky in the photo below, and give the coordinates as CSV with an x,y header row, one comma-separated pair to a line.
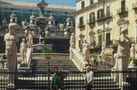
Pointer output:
x,y
59,2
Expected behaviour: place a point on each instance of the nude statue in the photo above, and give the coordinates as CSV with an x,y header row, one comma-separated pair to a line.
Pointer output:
x,y
30,38
10,39
23,50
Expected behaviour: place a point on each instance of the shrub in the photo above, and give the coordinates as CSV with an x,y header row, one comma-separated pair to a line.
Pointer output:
x,y
47,49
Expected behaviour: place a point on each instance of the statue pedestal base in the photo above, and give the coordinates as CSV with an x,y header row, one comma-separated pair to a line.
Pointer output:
x,y
132,66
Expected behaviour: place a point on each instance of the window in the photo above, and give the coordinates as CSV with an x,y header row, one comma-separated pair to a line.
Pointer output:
x,y
108,41
108,11
100,13
82,4
81,21
123,5
91,1
91,17
100,39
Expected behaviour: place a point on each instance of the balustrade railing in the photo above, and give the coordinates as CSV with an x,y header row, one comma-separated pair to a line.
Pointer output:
x,y
77,59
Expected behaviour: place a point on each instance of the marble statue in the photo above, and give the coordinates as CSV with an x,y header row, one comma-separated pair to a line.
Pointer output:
x,y
30,38
132,57
42,36
10,39
132,51
72,41
86,52
123,53
42,5
23,50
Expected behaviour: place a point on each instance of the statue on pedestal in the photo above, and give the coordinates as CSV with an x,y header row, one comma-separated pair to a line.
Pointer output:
x,y
123,53
42,5
30,38
23,50
72,44
10,39
86,52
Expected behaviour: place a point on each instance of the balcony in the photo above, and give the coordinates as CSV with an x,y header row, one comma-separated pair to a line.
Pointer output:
x,y
92,21
122,11
100,18
81,26
104,17
108,15
134,5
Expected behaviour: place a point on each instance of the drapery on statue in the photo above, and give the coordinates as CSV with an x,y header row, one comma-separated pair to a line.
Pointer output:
x,y
132,51
132,57
23,50
10,39
86,52
123,53
30,38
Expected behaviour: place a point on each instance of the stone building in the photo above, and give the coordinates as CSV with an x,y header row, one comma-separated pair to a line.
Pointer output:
x,y
99,21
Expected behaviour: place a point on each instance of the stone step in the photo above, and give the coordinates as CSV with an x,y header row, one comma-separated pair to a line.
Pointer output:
x,y
106,88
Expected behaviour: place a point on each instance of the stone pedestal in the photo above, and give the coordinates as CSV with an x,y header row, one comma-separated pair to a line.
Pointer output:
x,y
122,66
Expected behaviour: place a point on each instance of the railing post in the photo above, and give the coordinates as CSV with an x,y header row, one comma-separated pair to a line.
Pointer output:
x,y
48,75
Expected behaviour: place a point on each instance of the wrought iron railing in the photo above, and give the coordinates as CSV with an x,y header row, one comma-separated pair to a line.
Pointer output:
x,y
103,80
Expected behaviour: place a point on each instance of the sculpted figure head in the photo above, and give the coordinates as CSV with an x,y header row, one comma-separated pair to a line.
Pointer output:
x,y
23,40
124,30
12,28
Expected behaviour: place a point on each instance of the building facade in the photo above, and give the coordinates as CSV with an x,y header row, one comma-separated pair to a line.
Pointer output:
x,y
99,21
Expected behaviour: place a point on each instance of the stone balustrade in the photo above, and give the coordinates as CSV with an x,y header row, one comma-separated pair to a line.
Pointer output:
x,y
77,59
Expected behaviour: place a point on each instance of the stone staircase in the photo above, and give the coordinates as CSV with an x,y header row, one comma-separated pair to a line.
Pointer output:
x,y
62,62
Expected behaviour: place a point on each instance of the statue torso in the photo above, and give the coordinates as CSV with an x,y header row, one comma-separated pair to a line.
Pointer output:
x,y
123,47
10,40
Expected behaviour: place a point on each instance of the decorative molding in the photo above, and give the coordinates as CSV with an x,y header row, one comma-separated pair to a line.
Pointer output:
x,y
91,33
122,21
99,31
134,5
91,6
81,36
121,11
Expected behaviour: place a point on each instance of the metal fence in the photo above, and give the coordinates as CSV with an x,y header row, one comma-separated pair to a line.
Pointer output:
x,y
115,80
103,80
42,80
